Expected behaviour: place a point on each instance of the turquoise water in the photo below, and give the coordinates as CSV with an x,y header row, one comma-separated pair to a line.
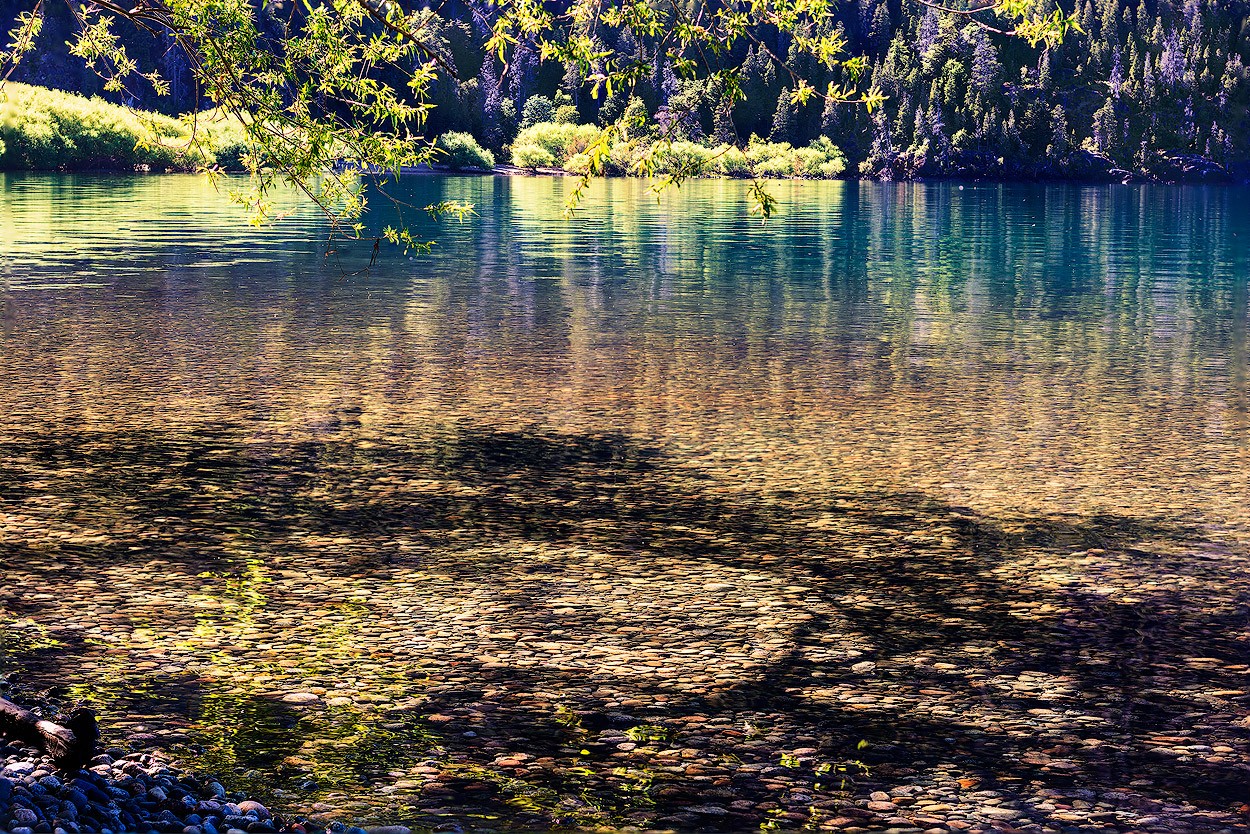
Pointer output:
x,y
1019,318
663,459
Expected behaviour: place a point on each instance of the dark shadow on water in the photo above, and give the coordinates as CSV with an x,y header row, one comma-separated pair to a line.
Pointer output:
x,y
184,497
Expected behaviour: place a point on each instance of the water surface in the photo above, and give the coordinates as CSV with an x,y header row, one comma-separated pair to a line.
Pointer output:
x,y
957,471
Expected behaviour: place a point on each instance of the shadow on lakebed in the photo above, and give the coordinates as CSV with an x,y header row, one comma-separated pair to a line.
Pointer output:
x,y
527,629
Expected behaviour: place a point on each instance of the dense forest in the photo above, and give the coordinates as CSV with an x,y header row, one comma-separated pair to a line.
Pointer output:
x,y
1147,88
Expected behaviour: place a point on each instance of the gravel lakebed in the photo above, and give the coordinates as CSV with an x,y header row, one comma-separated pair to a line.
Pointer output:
x,y
494,631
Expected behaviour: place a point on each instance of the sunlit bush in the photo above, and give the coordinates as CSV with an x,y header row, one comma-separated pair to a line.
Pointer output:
x,y
683,157
732,163
553,145
566,114
45,129
578,163
532,156
623,157
224,141
695,159
560,140
821,159
461,150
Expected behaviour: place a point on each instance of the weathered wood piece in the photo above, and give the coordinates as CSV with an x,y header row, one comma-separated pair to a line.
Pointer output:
x,y
70,746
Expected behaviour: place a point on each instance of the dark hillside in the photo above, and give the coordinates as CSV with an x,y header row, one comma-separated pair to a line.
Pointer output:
x,y
1155,88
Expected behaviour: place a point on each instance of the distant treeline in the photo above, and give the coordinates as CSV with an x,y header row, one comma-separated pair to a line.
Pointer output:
x,y
1157,88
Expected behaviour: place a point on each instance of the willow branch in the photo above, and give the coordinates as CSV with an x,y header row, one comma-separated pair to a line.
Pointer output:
x,y
971,15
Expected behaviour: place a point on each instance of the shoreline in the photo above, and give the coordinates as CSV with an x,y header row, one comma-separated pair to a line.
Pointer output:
x,y
1128,178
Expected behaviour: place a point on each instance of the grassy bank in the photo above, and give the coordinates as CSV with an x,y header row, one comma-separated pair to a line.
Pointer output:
x,y
48,130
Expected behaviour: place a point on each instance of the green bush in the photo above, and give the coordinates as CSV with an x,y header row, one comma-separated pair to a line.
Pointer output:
x,y
532,156
561,145
769,159
685,157
731,163
623,158
461,150
821,159
223,140
566,114
578,163
696,160
45,129
560,140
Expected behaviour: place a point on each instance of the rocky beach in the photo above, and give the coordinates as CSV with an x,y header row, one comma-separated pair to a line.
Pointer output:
x,y
122,791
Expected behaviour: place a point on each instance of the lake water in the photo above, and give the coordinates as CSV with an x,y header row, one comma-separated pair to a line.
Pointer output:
x,y
661,516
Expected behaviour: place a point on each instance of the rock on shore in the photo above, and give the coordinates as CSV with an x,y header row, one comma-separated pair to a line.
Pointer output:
x,y
132,792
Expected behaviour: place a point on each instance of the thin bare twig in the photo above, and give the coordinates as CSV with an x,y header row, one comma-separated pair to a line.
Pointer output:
x,y
970,14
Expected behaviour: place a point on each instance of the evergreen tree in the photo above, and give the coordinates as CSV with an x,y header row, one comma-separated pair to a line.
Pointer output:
x,y
882,156
879,29
784,118
493,130
537,109
1107,130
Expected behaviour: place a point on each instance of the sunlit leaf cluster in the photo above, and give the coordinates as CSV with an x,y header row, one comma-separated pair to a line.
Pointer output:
x,y
1035,21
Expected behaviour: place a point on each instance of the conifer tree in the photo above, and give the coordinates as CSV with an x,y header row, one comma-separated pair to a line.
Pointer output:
x,y
783,118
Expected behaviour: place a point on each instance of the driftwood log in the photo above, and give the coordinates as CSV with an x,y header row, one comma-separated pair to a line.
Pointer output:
x,y
70,745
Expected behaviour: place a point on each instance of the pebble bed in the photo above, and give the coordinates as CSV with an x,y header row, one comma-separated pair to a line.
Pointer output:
x,y
661,649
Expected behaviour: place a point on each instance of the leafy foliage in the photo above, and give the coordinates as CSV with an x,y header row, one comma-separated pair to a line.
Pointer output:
x,y
48,130
461,151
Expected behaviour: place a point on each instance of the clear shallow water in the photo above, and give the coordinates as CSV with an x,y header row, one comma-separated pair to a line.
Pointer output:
x,y
664,460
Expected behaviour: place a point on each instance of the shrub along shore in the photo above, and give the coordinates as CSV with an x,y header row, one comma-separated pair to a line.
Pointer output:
x,y
564,146
49,130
